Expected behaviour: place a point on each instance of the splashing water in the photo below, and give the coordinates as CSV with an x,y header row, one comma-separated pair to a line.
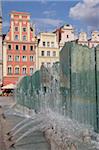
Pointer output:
x,y
53,117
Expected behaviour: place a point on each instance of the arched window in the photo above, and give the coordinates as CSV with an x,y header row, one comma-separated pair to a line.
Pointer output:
x,y
9,70
17,70
31,58
24,70
24,38
16,37
31,70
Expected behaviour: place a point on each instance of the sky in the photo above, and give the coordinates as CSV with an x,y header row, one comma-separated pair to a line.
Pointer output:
x,y
47,15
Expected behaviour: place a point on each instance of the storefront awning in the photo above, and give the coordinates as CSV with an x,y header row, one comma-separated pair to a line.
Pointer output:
x,y
9,86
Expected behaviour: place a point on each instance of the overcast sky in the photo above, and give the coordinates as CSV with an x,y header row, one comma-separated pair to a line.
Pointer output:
x,y
48,15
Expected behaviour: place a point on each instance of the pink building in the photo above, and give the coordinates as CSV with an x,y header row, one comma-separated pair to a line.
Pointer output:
x,y
19,48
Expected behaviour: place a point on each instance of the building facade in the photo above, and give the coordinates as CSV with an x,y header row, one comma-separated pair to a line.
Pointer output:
x,y
83,39
65,34
19,48
48,49
94,41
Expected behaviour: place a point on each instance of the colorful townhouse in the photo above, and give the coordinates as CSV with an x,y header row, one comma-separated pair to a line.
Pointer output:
x,y
19,48
47,50
92,42
64,34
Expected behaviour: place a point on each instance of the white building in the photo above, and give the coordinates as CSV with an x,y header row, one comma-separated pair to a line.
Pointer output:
x,y
65,34
83,39
94,41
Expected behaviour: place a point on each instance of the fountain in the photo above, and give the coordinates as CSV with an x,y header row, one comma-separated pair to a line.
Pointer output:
x,y
54,105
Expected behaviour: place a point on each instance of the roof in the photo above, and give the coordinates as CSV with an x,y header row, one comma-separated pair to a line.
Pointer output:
x,y
20,13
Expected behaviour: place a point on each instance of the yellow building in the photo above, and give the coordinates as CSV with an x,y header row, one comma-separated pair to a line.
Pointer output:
x,y
48,49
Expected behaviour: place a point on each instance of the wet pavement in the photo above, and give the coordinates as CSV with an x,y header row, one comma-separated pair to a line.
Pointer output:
x,y
2,141
34,141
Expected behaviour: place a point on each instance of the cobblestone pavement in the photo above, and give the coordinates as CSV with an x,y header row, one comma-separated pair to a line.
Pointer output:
x,y
2,140
2,125
35,141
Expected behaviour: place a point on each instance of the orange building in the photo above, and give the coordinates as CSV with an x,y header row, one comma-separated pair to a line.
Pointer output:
x,y
19,48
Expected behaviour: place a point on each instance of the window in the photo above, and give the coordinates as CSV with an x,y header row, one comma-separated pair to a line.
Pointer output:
x,y
24,38
24,29
16,37
17,58
17,47
16,28
54,53
9,70
24,58
48,53
24,70
67,36
31,48
48,44
31,71
52,44
31,58
9,58
44,44
9,47
17,70
42,53
24,47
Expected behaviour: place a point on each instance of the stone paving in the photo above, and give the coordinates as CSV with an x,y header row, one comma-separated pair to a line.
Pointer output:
x,y
3,126
2,140
35,141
